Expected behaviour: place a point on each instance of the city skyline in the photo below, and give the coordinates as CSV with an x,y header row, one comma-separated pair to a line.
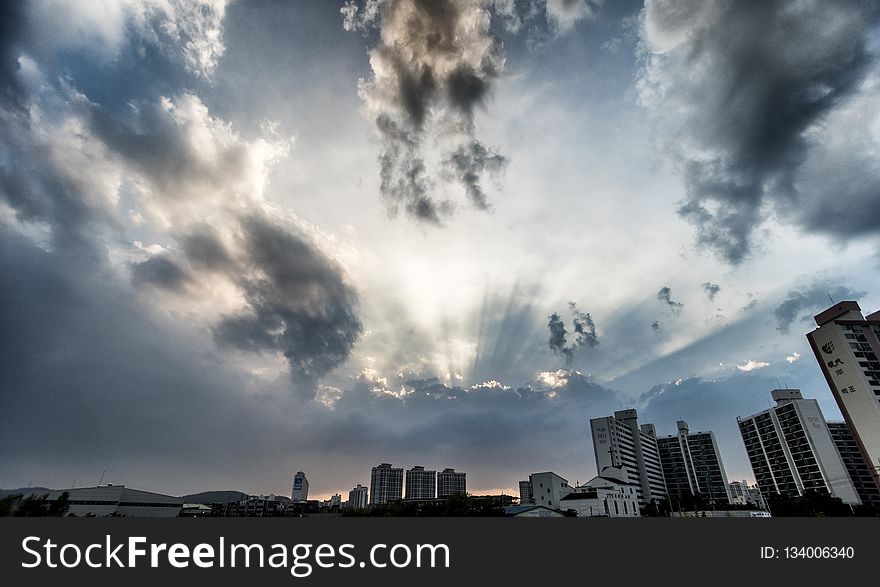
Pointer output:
x,y
243,239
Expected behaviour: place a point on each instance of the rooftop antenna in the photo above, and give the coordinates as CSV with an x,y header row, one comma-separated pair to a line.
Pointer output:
x,y
74,483
829,297
778,385
102,477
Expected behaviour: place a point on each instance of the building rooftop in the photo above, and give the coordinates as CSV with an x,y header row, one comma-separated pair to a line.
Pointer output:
x,y
513,510
580,495
836,311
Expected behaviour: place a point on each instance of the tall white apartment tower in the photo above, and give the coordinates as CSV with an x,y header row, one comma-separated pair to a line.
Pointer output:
x,y
692,465
357,497
791,449
847,347
619,441
299,491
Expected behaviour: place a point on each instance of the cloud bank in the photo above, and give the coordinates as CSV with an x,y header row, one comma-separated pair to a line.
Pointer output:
x,y
93,182
434,64
757,102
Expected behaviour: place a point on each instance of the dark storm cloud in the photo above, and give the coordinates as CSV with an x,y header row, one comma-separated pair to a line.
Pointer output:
x,y
558,333
802,304
78,352
42,194
403,175
297,303
468,163
752,78
156,138
583,329
434,64
29,183
711,290
433,418
181,158
204,249
665,297
847,167
160,271
83,350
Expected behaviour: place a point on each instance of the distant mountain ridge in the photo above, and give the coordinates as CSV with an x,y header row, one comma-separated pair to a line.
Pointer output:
x,y
25,491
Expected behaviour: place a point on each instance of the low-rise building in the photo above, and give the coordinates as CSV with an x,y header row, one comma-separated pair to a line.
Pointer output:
x,y
609,494
548,489
118,500
260,506
532,511
741,493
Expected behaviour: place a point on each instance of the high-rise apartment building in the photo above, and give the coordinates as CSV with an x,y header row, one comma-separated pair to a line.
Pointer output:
x,y
692,465
791,449
525,492
742,493
386,484
421,484
300,489
619,441
450,482
854,461
847,347
357,497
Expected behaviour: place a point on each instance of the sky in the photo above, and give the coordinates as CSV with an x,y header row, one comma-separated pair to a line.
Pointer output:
x,y
243,239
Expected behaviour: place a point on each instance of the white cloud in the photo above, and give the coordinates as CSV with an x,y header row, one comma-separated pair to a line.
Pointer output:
x,y
184,31
493,384
564,14
793,358
558,378
751,365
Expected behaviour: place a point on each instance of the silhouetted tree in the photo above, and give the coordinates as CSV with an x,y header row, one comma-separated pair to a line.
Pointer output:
x,y
810,504
33,506
7,503
60,506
